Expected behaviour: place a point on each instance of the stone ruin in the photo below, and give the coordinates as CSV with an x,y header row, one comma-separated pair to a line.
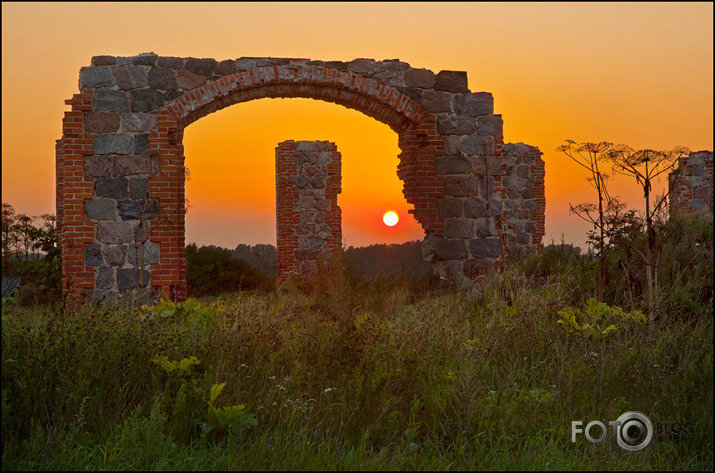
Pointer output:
x,y
690,185
308,219
120,162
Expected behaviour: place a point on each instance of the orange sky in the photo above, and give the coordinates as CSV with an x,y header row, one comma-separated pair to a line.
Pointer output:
x,y
634,73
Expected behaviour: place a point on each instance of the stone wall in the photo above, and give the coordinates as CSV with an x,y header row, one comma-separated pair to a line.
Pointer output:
x,y
522,180
691,184
308,219
122,151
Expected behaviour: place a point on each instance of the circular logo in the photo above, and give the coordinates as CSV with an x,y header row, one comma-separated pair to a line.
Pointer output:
x,y
634,431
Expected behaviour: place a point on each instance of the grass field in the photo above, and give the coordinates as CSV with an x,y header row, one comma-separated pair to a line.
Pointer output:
x,y
385,375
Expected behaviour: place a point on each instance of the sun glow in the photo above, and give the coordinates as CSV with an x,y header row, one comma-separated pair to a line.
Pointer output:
x,y
390,218
566,100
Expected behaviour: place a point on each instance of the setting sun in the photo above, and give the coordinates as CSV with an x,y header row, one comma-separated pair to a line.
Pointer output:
x,y
390,218
230,152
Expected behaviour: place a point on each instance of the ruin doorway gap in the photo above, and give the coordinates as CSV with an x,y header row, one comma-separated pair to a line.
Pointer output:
x,y
474,196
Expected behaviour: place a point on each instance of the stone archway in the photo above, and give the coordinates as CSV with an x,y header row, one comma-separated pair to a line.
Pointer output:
x,y
120,162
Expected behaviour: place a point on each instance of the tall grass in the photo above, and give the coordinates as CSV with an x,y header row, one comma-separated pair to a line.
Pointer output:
x,y
357,375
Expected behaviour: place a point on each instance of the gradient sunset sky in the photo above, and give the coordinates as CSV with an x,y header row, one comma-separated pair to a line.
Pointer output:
x,y
634,73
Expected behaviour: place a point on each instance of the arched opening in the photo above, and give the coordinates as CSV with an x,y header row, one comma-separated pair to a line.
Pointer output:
x,y
417,139
230,155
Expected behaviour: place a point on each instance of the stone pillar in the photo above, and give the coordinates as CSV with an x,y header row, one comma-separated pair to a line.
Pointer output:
x,y
691,184
308,181
522,192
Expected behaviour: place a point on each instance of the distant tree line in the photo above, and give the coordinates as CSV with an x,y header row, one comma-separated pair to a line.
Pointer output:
x,y
211,270
262,256
30,252
381,259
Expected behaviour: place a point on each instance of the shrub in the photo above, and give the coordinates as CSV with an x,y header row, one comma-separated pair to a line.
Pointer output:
x,y
211,270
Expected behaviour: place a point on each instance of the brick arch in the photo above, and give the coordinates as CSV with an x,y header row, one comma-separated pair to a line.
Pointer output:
x,y
418,140
474,196
374,98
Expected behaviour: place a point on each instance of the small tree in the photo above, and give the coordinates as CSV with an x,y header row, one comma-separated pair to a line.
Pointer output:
x,y
645,165
24,223
30,250
9,234
624,236
592,156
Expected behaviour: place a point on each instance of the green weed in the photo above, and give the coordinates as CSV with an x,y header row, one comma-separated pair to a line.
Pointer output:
x,y
360,375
